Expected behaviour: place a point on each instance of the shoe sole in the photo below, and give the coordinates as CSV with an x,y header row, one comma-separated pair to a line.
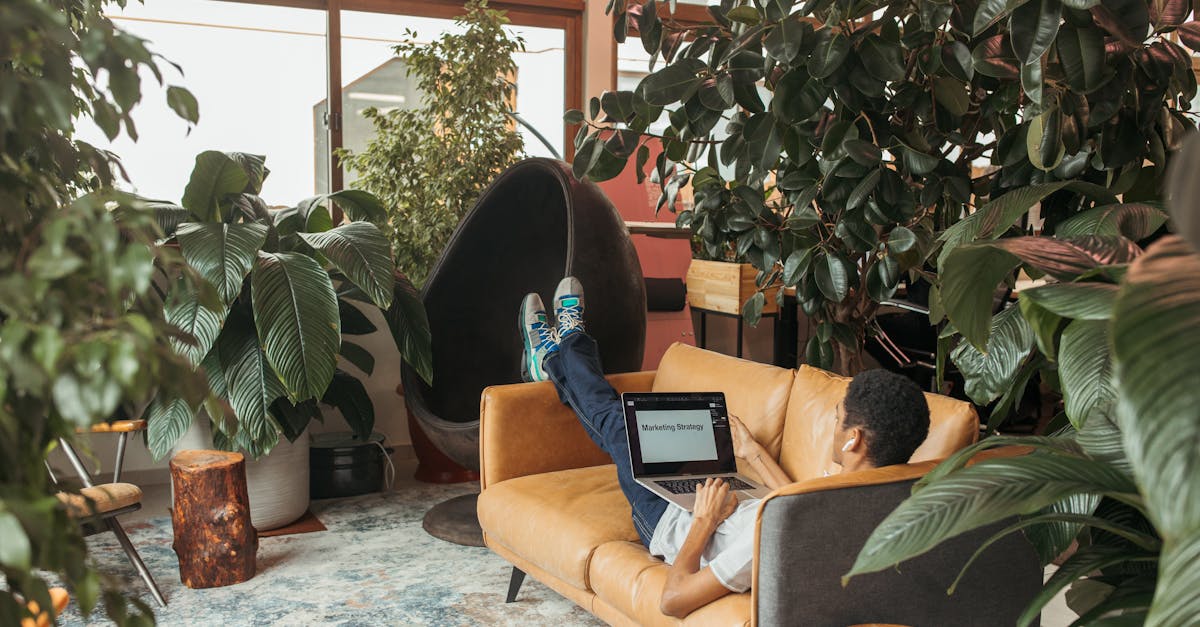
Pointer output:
x,y
527,350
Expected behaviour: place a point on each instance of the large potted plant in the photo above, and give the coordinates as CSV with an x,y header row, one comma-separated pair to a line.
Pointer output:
x,y
80,330
266,324
1111,495
882,125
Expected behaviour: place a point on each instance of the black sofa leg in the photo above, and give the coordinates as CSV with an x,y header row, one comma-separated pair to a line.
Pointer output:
x,y
514,584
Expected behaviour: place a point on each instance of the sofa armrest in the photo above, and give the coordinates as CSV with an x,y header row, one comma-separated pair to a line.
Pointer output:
x,y
524,430
808,535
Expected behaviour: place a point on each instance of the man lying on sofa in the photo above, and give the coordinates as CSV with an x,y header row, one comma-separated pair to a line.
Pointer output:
x,y
881,422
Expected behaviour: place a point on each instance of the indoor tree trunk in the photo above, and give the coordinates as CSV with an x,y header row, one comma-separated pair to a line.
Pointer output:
x,y
215,542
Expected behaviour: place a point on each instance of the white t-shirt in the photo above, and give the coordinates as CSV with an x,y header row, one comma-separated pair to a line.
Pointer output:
x,y
730,553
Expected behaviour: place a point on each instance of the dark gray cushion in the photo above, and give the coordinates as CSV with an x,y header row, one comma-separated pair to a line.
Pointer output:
x,y
808,541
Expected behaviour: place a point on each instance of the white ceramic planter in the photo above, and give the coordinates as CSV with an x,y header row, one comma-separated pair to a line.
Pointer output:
x,y
277,483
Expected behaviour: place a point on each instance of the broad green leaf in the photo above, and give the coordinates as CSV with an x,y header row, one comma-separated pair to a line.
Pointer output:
x,y
255,168
994,218
294,419
1175,598
882,59
674,83
1032,27
296,314
1157,355
1044,139
360,206
988,13
1031,81
752,308
167,419
993,57
830,51
1085,368
978,495
222,253
252,385
354,321
15,550
1183,185
901,240
1080,301
363,254
1134,221
215,176
184,310
1086,560
409,325
863,190
1050,539
951,95
348,395
183,103
784,40
989,373
1081,51
359,356
956,58
969,278
314,215
831,277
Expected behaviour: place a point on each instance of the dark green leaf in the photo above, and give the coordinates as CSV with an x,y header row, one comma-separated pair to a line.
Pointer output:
x,y
1080,301
827,56
863,189
296,313
831,277
1134,221
166,421
350,397
409,325
253,385
951,95
1033,26
993,57
675,83
359,356
990,372
1085,367
1156,349
215,176
900,240
882,59
186,312
353,320
1044,140
745,14
784,40
956,58
360,205
862,152
1081,51
183,103
222,253
363,254
984,493
752,308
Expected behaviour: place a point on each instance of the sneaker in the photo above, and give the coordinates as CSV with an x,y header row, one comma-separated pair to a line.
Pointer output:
x,y
537,338
568,307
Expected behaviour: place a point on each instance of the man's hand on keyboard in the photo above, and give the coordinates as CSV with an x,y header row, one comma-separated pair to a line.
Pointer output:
x,y
714,501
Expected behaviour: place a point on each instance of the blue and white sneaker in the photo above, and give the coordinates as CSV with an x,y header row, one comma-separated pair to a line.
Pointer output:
x,y
537,338
568,307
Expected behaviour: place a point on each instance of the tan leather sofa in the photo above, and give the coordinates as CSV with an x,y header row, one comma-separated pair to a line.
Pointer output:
x,y
551,506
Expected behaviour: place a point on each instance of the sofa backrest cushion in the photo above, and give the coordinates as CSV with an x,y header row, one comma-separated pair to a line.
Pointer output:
x,y
807,450
756,393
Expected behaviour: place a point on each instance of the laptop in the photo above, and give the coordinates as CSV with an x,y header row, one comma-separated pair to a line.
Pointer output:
x,y
677,440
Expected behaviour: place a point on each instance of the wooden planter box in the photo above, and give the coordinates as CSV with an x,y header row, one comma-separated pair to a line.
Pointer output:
x,y
724,287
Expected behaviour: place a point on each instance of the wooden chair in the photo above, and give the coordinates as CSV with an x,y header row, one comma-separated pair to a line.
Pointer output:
x,y
97,506
45,618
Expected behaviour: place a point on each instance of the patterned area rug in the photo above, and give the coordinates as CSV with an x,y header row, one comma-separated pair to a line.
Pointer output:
x,y
374,565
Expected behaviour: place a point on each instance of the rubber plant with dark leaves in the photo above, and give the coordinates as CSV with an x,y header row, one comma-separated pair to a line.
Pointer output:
x,y
82,336
834,143
1116,327
281,287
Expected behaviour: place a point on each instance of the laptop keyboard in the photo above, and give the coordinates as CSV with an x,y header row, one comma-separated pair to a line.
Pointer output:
x,y
688,486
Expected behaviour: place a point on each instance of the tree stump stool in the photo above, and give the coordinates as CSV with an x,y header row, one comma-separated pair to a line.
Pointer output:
x,y
215,542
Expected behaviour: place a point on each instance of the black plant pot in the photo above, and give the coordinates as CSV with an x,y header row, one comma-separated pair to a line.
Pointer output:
x,y
342,465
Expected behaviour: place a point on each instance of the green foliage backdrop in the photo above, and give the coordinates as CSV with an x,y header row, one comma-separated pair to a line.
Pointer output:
x,y
429,164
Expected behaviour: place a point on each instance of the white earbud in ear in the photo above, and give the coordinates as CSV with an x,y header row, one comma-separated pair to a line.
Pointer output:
x,y
848,445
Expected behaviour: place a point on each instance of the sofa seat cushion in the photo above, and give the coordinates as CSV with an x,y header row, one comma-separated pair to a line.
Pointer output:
x,y
557,519
624,575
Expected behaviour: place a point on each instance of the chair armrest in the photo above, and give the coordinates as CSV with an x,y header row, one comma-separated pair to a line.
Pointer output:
x,y
117,426
524,430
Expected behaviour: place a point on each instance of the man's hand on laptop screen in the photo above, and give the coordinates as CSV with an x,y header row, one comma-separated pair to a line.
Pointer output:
x,y
714,501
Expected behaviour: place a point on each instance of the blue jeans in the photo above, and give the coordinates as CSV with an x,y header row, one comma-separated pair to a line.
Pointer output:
x,y
576,372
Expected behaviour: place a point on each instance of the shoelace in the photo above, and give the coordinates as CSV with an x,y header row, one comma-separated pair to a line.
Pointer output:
x,y
546,336
569,319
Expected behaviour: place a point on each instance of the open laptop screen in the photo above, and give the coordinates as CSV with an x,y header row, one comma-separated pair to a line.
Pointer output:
x,y
678,433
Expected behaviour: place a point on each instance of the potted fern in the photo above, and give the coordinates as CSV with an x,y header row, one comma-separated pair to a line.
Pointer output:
x,y
266,324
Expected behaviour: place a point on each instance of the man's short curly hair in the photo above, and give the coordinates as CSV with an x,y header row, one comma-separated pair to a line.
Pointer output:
x,y
891,410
